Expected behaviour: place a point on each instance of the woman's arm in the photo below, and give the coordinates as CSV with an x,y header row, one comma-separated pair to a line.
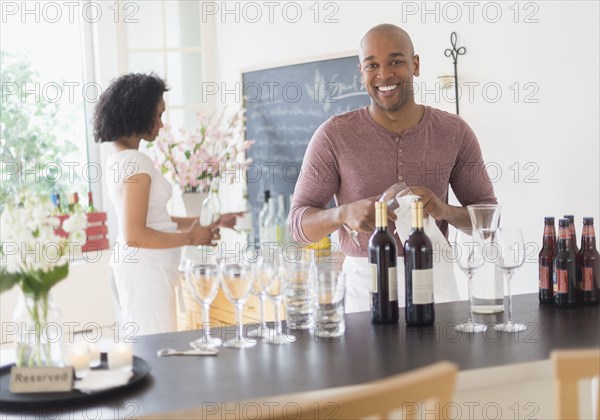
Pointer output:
x,y
136,194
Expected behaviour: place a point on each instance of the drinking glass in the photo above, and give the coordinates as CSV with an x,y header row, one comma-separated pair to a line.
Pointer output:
x,y
485,218
512,255
389,195
301,269
237,276
261,280
329,292
468,253
488,294
277,277
202,279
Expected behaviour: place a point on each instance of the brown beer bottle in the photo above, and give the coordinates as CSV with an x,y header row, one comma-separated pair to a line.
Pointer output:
x,y
589,270
565,269
546,261
571,219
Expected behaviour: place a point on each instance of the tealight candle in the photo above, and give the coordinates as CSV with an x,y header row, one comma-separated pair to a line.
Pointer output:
x,y
78,357
94,355
120,356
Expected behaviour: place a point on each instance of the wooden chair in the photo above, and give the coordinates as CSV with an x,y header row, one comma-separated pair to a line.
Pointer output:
x,y
571,366
385,398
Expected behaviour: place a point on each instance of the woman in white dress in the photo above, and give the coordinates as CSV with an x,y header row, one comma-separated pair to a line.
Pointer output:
x,y
147,252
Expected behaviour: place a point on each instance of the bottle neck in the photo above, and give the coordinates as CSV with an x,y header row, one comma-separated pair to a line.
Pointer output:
x,y
549,240
417,218
564,239
381,222
588,238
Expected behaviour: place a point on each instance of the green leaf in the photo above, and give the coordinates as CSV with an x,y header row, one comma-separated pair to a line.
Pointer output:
x,y
8,280
38,283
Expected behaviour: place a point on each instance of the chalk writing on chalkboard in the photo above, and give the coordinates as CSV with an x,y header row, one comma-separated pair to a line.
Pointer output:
x,y
284,107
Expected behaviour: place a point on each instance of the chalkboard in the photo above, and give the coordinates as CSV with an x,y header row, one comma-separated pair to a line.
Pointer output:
x,y
284,107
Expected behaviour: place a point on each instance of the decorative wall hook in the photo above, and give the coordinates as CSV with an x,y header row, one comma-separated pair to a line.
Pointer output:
x,y
454,53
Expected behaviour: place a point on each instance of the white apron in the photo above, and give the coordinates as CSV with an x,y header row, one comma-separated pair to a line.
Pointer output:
x,y
145,281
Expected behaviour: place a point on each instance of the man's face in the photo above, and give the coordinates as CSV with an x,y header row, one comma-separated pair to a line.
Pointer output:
x,y
387,67
160,108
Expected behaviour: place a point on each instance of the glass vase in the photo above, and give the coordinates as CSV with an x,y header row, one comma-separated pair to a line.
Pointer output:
x,y
39,324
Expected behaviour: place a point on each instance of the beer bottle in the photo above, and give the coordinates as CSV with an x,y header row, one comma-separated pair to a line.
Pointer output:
x,y
565,268
546,261
589,269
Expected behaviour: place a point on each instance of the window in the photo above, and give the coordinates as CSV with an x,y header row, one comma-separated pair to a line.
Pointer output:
x,y
43,123
166,37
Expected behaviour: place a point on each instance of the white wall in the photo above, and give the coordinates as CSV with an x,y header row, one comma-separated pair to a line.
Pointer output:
x,y
556,137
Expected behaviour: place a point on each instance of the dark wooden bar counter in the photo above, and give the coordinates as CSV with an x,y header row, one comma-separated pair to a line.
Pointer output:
x,y
366,352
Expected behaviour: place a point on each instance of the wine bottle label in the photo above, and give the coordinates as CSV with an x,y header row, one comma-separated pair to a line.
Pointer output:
x,y
561,281
588,279
373,287
422,286
392,284
544,277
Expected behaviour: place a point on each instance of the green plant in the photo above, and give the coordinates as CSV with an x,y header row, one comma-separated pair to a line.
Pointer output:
x,y
32,153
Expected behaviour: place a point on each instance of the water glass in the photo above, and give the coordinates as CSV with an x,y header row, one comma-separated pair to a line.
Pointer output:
x,y
301,265
329,292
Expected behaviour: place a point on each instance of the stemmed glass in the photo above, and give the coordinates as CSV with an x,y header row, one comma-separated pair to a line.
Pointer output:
x,y
236,280
468,253
260,276
512,255
276,278
202,278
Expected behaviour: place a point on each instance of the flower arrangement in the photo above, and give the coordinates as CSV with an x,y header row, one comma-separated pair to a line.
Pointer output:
x,y
194,158
34,257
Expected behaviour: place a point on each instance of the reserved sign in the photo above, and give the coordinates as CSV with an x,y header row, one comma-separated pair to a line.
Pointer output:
x,y
40,379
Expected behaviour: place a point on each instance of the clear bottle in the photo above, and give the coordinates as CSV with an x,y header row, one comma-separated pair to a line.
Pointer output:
x,y
589,270
244,223
261,218
288,232
270,226
546,260
280,224
211,206
384,279
418,272
565,268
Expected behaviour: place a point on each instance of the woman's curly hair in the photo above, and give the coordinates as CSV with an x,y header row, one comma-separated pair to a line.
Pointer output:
x,y
128,106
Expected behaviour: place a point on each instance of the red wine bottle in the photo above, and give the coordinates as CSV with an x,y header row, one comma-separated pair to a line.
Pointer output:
x,y
565,269
418,272
589,272
546,260
384,280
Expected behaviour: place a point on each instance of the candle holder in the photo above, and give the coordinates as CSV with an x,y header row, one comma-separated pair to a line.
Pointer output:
x,y
454,53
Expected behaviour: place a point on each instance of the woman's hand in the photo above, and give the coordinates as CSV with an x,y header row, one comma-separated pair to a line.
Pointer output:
x,y
203,235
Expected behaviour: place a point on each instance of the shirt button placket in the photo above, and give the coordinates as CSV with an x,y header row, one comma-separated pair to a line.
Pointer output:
x,y
399,174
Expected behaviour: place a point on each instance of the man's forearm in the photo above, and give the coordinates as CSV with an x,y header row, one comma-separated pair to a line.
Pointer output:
x,y
318,223
457,216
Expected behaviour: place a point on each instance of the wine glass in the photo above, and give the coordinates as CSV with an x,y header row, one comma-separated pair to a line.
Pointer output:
x,y
389,195
237,276
512,255
260,277
277,277
468,253
202,279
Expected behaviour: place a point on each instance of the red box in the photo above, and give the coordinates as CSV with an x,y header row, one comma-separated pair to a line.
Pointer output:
x,y
96,231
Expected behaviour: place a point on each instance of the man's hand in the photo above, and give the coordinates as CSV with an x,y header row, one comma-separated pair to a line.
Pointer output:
x,y
360,215
432,205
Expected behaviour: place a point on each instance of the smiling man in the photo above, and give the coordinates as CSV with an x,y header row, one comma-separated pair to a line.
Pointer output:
x,y
356,156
